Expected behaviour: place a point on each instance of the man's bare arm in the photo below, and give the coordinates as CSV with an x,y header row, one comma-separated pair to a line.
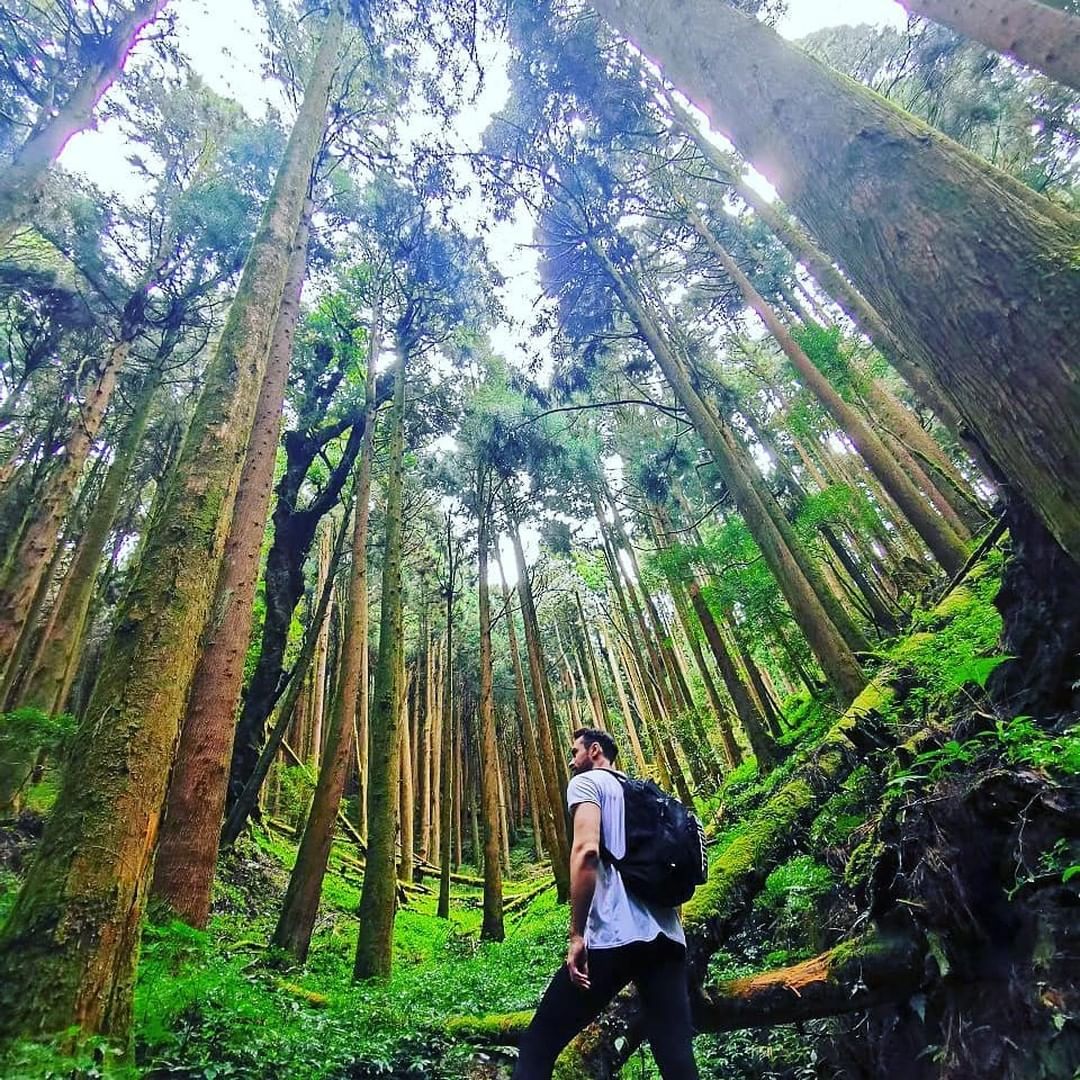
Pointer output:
x,y
584,859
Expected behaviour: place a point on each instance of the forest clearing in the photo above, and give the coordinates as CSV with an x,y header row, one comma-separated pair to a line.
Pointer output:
x,y
401,399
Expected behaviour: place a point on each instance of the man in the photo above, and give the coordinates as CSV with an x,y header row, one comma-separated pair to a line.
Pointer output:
x,y
615,938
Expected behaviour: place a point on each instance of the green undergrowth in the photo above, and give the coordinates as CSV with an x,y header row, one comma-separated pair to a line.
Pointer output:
x,y
217,1005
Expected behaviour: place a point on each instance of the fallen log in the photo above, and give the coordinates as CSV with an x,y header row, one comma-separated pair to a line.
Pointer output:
x,y
876,969
522,900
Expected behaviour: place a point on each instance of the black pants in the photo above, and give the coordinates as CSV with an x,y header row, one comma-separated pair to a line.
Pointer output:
x,y
658,970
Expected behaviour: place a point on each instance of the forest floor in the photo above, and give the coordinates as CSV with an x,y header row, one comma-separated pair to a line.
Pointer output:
x,y
960,821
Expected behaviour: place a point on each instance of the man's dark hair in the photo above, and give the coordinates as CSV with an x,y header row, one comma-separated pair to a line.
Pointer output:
x,y
607,743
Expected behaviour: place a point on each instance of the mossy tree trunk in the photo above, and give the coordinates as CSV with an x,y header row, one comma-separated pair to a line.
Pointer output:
x,y
49,682
375,945
904,210
190,829
69,948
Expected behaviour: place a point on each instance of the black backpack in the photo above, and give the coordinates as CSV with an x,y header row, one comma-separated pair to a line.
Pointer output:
x,y
665,858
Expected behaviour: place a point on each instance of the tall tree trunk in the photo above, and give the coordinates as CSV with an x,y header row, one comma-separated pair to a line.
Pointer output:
x,y
39,536
49,681
424,750
904,210
301,906
449,789
361,617
374,947
836,657
544,811
624,705
947,547
319,668
492,927
732,754
187,851
751,719
553,769
406,790
1034,33
22,182
69,948
246,802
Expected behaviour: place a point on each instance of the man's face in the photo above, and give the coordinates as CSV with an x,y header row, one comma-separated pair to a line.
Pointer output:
x,y
580,761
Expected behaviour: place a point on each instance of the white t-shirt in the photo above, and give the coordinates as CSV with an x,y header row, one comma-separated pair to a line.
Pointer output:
x,y
616,917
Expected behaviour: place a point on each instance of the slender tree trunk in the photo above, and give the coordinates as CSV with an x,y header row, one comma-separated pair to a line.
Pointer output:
x,y
492,927
543,810
301,906
21,183
828,644
947,547
406,791
69,947
187,852
319,669
362,614
39,537
374,948
624,704
1034,33
553,770
49,681
905,209
752,721
449,788
425,789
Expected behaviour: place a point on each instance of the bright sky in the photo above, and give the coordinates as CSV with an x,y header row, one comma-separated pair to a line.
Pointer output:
x,y
222,39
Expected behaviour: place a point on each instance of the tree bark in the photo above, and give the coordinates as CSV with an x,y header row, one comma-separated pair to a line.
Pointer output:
x,y
39,536
1033,33
826,641
374,948
904,210
22,181
245,803
752,721
187,851
947,547
301,905
544,811
805,250
406,790
492,926
69,947
553,770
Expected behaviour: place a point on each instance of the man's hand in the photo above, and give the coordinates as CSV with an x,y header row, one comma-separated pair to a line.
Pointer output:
x,y
577,962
